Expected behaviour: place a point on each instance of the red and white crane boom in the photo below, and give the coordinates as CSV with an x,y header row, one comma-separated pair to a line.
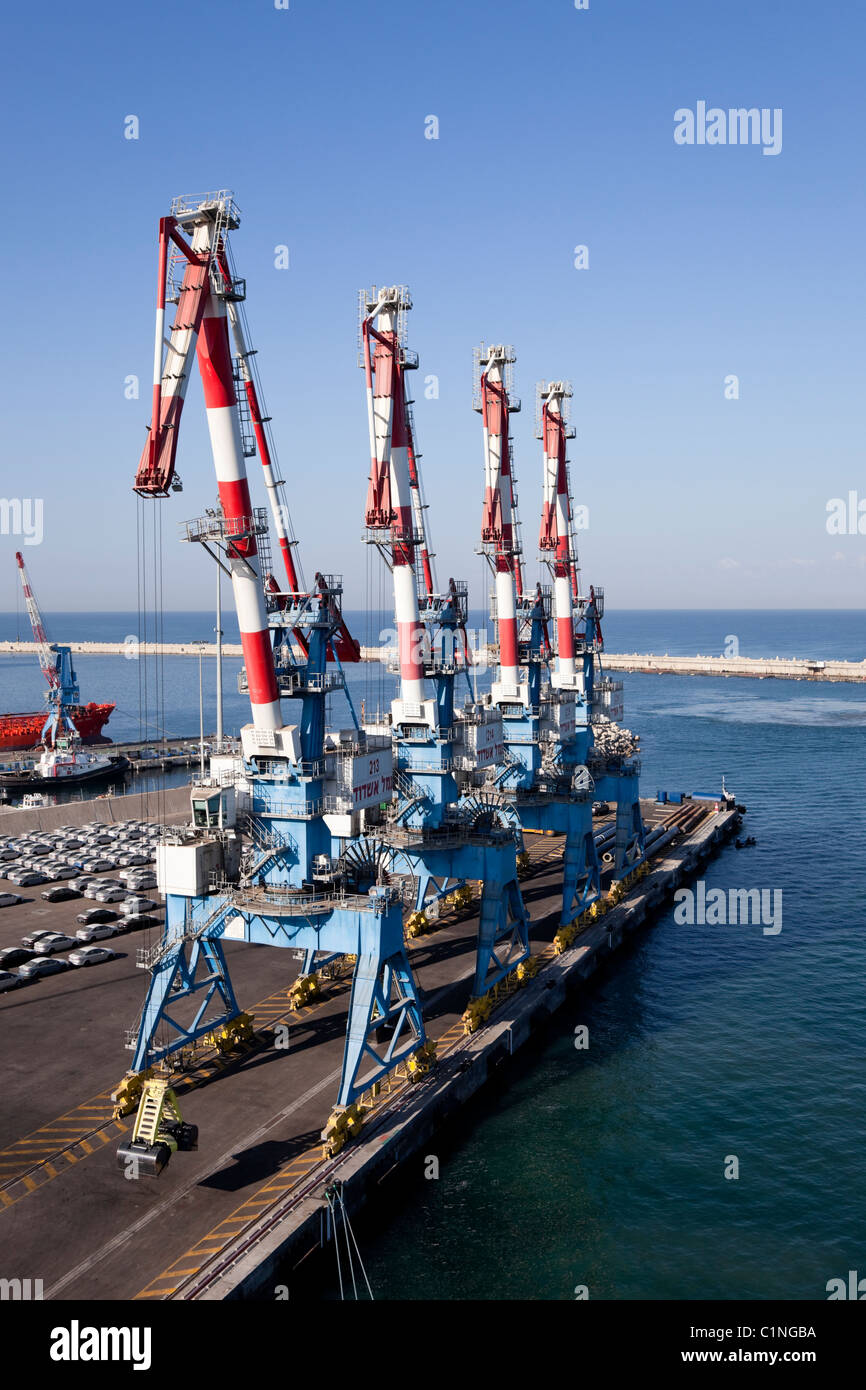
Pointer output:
x,y
556,541
201,319
47,661
500,533
390,508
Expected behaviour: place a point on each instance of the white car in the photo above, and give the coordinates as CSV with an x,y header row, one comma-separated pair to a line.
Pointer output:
x,y
10,899
56,941
92,955
98,932
136,905
111,895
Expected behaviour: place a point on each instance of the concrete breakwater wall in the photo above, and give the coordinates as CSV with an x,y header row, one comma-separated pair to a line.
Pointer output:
x,y
756,668
171,805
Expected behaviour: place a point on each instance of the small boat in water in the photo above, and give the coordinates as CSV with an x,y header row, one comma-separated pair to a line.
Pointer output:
x,y
64,764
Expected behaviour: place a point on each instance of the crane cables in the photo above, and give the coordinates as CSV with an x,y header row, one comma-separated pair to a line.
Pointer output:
x,y
337,1207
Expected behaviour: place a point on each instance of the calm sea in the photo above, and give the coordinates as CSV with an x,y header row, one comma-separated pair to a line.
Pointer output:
x,y
606,1167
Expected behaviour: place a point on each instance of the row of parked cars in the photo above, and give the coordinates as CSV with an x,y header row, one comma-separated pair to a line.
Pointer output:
x,y
73,856
36,857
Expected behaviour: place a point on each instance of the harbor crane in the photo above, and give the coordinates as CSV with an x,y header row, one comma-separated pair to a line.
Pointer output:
x,y
263,861
434,832
542,774
55,663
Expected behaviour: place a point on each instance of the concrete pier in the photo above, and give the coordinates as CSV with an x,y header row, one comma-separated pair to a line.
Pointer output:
x,y
220,1222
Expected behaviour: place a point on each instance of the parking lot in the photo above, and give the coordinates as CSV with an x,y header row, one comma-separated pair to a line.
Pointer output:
x,y
104,872
63,1034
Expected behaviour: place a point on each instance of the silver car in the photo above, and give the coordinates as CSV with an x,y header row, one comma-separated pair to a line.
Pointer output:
x,y
41,965
135,905
98,932
92,955
50,945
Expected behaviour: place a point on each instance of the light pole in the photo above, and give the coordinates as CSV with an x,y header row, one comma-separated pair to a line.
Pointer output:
x,y
219,662
201,644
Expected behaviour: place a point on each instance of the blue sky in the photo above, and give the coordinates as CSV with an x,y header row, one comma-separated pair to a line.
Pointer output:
x,y
555,130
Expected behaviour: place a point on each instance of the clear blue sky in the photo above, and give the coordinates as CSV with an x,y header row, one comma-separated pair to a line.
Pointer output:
x,y
556,129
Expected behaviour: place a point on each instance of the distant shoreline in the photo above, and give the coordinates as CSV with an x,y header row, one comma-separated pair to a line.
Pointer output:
x,y
755,668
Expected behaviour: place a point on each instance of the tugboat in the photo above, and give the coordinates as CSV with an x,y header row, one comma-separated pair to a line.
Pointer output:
x,y
63,763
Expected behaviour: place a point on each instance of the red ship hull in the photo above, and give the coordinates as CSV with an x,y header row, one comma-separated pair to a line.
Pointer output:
x,y
24,730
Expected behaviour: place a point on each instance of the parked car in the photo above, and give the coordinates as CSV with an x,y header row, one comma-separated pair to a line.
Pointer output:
x,y
14,955
50,945
138,921
92,955
35,936
61,894
101,864
96,914
134,905
42,966
61,872
98,932
10,899
111,895
81,882
26,878
9,980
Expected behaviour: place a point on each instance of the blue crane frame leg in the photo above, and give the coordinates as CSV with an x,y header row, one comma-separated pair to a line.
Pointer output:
x,y
383,997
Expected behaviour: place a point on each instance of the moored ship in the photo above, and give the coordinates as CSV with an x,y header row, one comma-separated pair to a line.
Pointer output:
x,y
63,698
25,730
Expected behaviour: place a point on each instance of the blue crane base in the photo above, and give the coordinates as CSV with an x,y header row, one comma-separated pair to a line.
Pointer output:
x,y
581,871
503,920
385,1025
624,789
